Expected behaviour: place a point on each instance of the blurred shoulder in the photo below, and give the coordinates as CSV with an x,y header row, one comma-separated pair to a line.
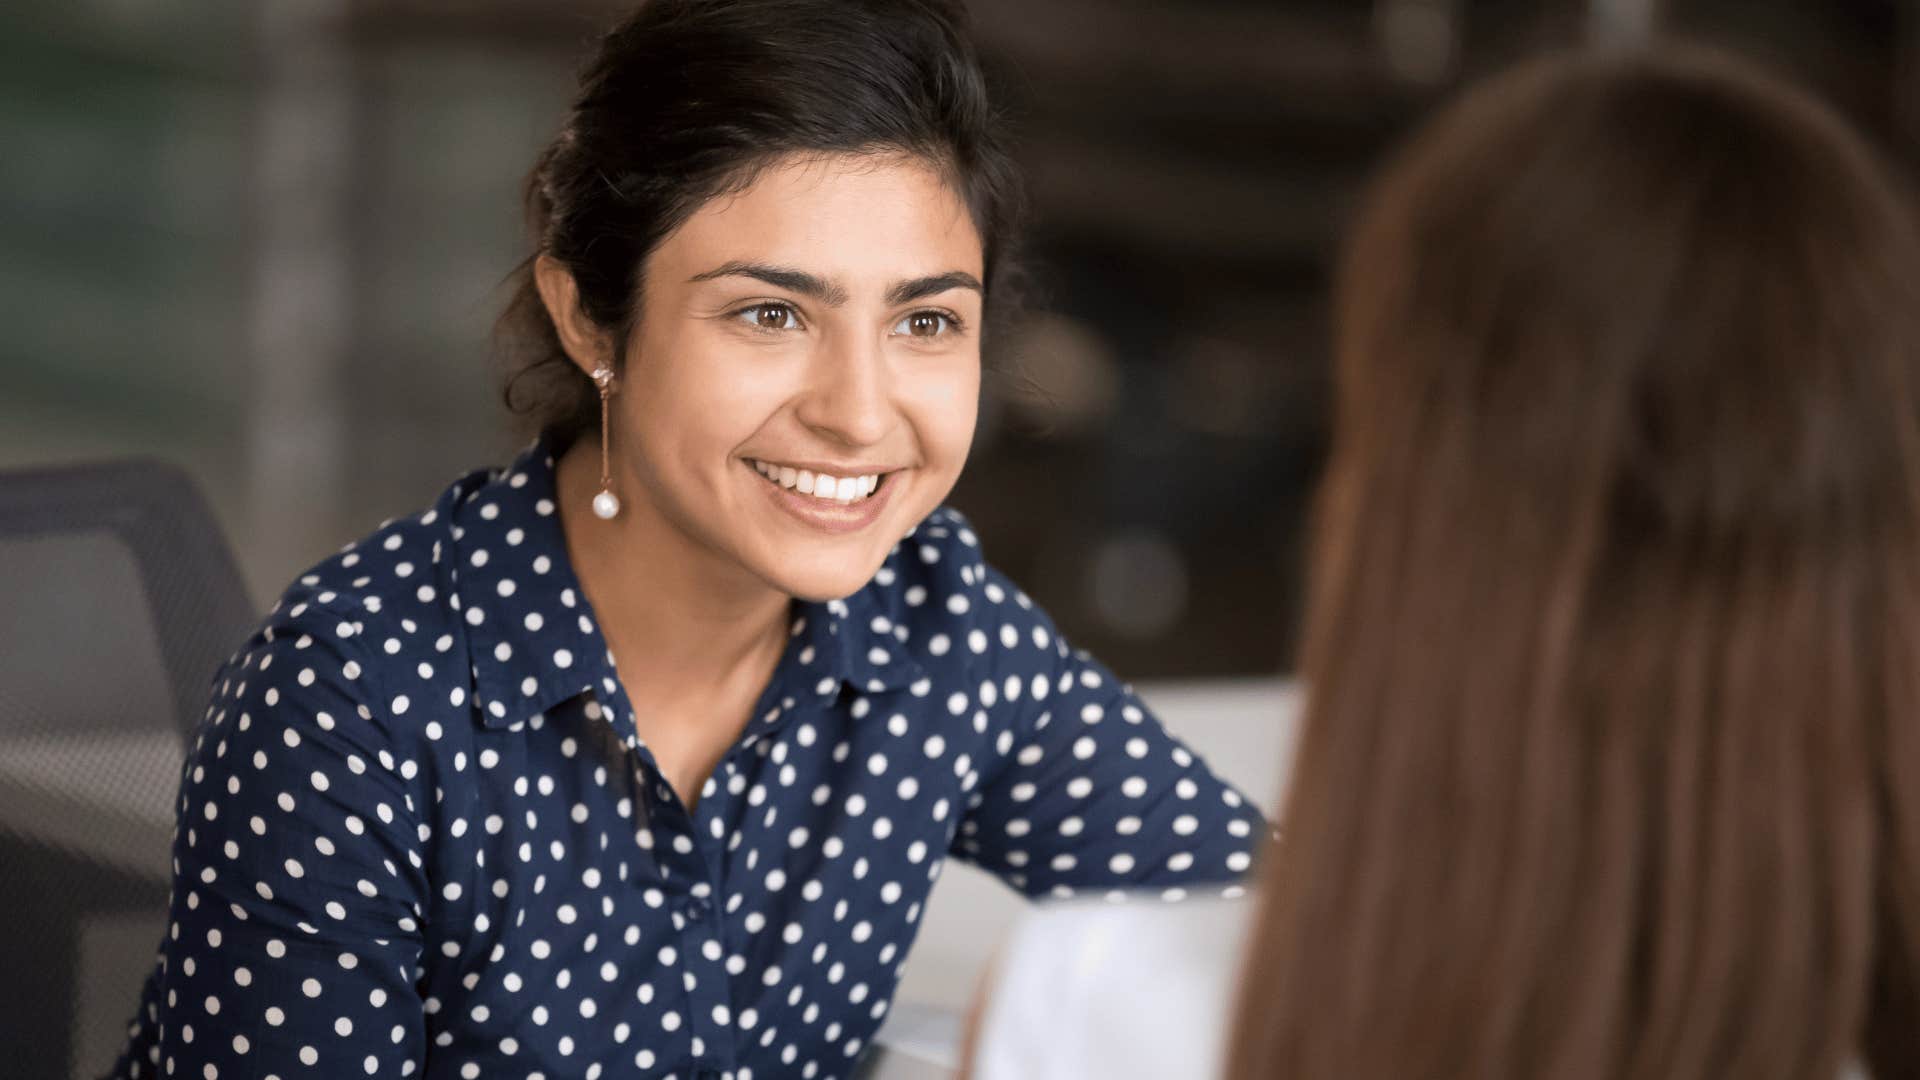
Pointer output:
x,y
1140,987
1191,933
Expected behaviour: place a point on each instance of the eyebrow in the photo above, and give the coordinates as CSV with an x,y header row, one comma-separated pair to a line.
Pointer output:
x,y
833,294
780,277
917,288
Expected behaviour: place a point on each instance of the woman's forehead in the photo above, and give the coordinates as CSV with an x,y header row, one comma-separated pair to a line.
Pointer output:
x,y
865,220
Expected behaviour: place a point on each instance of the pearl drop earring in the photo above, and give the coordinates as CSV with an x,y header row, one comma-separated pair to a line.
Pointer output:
x,y
606,504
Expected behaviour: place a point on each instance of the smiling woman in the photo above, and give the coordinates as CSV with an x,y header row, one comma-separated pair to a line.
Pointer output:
x,y
640,755
817,323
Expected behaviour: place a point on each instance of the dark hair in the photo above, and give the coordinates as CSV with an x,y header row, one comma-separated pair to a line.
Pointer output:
x,y
1611,756
689,99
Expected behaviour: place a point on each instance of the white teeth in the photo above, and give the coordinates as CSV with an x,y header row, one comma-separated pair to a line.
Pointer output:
x,y
840,489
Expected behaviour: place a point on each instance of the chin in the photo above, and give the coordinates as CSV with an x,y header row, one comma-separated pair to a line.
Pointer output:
x,y
820,588
827,578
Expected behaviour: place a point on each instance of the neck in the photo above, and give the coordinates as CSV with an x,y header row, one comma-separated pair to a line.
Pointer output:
x,y
681,619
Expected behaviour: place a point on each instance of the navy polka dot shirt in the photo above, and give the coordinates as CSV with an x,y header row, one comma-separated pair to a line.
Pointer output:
x,y
418,835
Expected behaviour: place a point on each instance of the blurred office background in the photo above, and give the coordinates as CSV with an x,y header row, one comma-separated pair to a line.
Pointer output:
x,y
264,239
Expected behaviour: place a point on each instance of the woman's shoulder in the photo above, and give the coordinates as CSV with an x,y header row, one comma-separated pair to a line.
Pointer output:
x,y
373,616
1096,988
396,566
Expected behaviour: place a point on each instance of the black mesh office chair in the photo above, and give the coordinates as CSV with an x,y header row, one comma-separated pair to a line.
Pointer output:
x,y
118,600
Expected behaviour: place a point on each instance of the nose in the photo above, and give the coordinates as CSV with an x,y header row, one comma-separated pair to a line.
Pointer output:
x,y
848,398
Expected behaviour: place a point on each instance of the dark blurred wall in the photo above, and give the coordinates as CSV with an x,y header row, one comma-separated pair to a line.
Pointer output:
x,y
124,172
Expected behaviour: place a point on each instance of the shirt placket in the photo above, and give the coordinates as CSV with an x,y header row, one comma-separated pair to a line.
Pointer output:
x,y
699,917
692,861
690,866
702,928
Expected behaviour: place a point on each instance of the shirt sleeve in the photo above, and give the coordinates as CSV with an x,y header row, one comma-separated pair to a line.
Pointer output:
x,y
293,937
1090,792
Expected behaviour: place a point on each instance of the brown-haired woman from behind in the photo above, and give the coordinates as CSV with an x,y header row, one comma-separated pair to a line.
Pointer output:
x,y
1611,753
1611,761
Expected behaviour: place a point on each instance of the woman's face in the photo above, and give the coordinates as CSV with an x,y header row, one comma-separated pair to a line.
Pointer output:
x,y
802,384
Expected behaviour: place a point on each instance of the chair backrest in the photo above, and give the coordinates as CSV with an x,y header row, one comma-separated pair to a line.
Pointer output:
x,y
118,600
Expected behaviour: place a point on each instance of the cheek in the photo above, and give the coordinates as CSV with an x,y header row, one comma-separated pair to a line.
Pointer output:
x,y
944,412
696,400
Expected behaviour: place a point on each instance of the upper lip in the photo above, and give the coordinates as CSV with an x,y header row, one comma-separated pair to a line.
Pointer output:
x,y
829,469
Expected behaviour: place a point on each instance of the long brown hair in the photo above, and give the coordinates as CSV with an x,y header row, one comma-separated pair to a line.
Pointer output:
x,y
1611,765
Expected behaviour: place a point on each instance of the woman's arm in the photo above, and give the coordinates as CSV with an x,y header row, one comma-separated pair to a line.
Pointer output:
x,y
1092,793
293,939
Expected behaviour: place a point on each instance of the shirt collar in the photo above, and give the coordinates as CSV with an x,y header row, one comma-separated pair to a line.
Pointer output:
x,y
533,639
852,641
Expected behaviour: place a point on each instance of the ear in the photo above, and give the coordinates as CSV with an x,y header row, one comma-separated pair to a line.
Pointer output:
x,y
587,345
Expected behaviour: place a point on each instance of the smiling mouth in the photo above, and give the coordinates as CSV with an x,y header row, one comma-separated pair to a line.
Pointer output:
x,y
830,490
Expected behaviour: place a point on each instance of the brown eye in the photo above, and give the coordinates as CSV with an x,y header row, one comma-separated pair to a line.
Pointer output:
x,y
771,316
922,324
